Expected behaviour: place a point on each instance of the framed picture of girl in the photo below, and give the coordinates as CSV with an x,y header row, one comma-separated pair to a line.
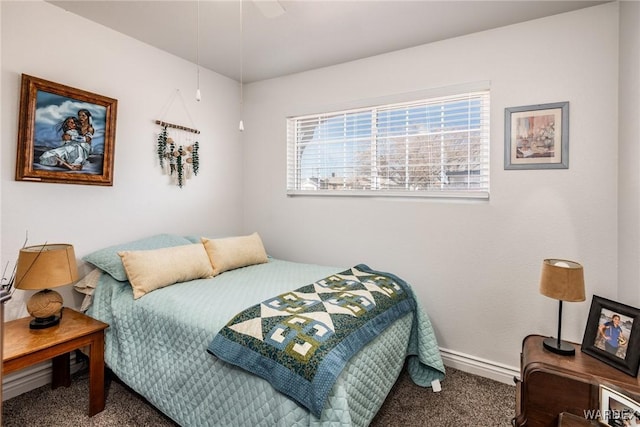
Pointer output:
x,y
65,135
613,334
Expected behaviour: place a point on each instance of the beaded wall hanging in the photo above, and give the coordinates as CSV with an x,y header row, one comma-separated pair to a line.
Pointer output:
x,y
178,152
177,147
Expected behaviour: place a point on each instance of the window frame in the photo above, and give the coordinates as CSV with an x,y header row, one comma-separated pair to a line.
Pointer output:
x,y
481,89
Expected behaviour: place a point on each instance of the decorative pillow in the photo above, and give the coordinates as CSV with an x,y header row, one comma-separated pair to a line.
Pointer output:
x,y
107,259
155,269
234,252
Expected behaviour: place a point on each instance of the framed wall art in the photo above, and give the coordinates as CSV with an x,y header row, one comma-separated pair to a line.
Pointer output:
x,y
537,136
65,135
612,334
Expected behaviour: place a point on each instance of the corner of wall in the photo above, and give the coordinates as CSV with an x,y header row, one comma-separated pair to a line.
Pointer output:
x,y
629,163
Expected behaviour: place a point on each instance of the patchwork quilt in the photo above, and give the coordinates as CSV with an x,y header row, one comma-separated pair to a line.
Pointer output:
x,y
301,340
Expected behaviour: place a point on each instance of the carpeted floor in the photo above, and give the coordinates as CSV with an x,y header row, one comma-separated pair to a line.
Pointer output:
x,y
465,400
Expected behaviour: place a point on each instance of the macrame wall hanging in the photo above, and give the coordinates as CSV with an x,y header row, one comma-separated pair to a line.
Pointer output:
x,y
177,148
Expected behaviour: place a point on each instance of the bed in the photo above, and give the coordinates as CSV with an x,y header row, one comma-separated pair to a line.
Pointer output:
x,y
157,343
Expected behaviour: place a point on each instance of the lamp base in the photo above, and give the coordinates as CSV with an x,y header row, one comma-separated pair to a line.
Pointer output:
x,y
46,307
563,348
44,322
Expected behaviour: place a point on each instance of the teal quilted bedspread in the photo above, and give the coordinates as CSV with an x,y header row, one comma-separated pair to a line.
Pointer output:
x,y
158,346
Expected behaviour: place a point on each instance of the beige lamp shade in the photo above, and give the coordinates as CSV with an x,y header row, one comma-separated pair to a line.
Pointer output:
x,y
46,266
562,280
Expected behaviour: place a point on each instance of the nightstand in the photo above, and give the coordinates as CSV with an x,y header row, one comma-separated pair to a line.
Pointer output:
x,y
552,384
23,347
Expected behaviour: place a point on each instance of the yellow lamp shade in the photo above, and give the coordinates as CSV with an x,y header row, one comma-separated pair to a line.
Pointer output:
x,y
46,266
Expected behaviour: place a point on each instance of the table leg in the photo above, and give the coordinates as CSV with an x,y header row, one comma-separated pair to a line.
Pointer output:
x,y
96,374
61,375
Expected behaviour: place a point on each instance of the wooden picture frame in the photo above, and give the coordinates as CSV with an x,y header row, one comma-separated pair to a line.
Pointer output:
x,y
621,347
65,135
537,136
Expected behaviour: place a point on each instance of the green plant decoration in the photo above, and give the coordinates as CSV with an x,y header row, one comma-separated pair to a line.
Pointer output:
x,y
162,146
195,158
172,156
180,167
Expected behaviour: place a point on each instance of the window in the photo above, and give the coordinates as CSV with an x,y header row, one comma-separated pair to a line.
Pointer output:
x,y
431,147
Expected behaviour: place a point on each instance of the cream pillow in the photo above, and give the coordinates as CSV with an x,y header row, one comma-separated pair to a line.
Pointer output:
x,y
153,269
234,252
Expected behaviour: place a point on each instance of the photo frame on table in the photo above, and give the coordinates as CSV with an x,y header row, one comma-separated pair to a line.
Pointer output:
x,y
65,135
612,334
616,409
537,136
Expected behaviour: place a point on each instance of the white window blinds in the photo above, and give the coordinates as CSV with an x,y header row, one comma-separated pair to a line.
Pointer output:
x,y
431,147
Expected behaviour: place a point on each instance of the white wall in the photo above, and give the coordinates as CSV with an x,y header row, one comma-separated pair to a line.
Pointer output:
x,y
474,264
629,173
45,41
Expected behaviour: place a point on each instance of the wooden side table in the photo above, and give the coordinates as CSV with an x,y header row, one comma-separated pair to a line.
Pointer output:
x,y
552,384
23,347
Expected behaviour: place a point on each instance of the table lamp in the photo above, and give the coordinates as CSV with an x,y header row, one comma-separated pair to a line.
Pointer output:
x,y
562,280
43,267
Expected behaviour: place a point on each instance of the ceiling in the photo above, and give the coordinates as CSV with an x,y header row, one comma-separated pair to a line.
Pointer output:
x,y
309,34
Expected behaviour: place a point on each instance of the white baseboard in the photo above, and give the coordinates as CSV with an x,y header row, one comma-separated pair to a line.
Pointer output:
x,y
477,366
39,375
31,378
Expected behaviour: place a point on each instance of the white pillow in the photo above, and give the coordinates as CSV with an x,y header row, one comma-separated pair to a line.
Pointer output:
x,y
87,285
153,269
234,252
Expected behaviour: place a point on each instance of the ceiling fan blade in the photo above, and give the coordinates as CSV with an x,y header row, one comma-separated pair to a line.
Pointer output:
x,y
270,8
